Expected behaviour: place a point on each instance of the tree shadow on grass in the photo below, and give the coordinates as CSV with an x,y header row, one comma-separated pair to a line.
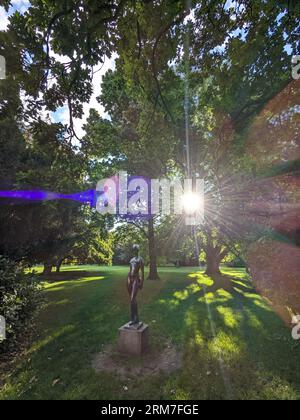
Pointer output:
x,y
229,330
70,276
230,284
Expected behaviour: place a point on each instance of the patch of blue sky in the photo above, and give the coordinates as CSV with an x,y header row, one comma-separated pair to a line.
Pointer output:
x,y
240,33
280,16
288,49
60,115
16,5
230,3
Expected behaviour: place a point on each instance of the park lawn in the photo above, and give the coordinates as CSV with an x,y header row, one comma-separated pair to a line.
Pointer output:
x,y
234,346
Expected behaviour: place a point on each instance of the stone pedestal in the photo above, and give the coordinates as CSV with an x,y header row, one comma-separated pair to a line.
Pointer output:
x,y
133,340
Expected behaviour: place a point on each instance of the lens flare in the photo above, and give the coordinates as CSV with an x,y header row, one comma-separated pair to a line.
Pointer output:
x,y
85,197
192,203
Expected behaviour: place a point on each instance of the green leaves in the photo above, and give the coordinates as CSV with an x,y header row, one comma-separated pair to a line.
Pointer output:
x,y
19,298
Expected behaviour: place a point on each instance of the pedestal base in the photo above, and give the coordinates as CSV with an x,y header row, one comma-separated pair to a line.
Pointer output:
x,y
133,340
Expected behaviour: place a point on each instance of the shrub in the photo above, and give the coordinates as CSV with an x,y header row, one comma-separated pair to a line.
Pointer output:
x,y
19,298
236,263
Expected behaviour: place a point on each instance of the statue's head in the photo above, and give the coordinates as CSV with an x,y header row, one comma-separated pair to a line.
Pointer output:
x,y
136,249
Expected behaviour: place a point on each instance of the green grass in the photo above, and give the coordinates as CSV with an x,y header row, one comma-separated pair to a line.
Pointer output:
x,y
234,345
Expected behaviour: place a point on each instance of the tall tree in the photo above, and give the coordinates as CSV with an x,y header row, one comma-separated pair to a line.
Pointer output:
x,y
131,140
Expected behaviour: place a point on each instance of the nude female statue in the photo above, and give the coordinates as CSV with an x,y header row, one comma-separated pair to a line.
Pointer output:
x,y
135,282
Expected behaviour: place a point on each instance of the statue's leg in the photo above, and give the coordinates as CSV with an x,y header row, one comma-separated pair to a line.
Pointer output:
x,y
129,286
134,306
129,289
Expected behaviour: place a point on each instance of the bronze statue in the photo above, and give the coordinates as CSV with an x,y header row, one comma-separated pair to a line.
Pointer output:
x,y
135,282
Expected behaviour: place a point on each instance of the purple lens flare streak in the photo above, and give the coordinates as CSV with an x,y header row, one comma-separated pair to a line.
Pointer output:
x,y
85,197
88,197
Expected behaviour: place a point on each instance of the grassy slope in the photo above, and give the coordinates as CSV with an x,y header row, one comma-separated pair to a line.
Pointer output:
x,y
234,345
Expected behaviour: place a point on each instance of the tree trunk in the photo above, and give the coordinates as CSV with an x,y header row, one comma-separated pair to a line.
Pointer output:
x,y
213,262
153,274
47,268
58,265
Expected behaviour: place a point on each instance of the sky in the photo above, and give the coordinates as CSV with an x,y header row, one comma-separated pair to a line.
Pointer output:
x,y
61,115
21,5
